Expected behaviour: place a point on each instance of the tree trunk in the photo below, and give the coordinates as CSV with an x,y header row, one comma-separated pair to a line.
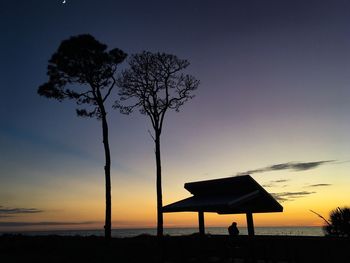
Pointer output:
x,y
159,187
108,218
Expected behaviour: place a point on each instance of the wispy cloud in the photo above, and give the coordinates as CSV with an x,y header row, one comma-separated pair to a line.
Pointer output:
x,y
280,181
17,224
275,182
290,196
318,185
294,166
8,211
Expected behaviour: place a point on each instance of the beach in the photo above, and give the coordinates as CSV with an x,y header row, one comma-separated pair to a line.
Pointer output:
x,y
191,248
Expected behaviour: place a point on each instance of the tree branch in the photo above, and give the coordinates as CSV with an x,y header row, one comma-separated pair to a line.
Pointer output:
x,y
151,135
110,89
321,217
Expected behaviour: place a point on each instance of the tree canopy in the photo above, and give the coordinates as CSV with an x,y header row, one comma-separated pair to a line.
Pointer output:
x,y
154,83
82,60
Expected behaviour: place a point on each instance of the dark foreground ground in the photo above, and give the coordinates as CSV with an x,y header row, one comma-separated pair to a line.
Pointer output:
x,y
174,249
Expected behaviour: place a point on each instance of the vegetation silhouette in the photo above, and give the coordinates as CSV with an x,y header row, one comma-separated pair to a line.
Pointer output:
x,y
84,64
154,83
339,222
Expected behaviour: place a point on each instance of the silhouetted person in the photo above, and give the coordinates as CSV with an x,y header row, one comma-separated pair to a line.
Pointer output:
x,y
232,241
233,230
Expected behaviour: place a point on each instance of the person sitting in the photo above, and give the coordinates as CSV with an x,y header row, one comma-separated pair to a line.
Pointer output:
x,y
232,244
233,230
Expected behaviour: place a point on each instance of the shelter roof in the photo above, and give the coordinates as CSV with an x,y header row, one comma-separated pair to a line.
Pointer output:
x,y
232,195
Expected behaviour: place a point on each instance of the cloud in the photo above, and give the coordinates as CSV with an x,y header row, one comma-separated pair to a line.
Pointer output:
x,y
17,224
6,211
294,166
280,181
318,185
290,196
274,182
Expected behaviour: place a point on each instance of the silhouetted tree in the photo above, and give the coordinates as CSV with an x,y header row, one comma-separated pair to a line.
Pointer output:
x,y
84,64
154,84
339,222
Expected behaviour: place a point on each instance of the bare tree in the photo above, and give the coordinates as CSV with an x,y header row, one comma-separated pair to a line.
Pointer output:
x,y
154,84
84,64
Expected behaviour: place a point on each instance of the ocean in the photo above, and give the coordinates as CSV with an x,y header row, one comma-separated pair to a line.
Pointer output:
x,y
282,231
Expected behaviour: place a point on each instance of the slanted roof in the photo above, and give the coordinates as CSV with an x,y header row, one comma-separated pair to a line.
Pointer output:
x,y
232,195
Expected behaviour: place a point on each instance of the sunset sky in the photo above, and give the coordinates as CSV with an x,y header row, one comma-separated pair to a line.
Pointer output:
x,y
275,90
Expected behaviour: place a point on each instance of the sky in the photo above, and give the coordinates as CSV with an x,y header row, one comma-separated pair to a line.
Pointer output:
x,y
273,102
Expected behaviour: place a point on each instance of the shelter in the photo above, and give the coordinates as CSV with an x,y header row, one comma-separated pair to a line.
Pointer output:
x,y
232,195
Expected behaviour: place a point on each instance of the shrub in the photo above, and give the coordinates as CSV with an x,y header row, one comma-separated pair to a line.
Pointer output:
x,y
338,223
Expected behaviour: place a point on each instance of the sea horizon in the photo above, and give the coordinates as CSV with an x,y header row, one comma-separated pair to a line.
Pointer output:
x,y
174,231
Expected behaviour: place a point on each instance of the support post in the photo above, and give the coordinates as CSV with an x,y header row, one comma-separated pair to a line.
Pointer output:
x,y
201,222
250,224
